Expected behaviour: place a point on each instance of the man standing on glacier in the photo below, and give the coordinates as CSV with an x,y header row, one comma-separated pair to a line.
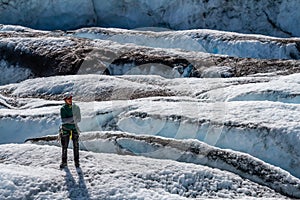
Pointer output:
x,y
70,116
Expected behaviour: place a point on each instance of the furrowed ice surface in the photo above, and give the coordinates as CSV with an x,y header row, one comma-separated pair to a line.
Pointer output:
x,y
190,151
246,128
268,130
42,53
202,40
30,171
208,41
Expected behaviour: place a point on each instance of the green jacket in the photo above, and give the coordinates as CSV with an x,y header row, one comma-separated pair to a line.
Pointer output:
x,y
70,116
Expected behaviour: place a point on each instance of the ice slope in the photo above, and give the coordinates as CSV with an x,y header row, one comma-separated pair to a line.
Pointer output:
x,y
31,172
271,17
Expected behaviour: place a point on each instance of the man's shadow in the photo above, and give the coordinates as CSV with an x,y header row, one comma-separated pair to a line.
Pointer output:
x,y
77,190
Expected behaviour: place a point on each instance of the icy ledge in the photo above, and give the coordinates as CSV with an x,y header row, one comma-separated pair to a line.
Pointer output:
x,y
201,40
190,151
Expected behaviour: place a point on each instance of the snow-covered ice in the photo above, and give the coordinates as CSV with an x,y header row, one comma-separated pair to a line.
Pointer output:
x,y
202,40
190,151
31,172
148,131
267,130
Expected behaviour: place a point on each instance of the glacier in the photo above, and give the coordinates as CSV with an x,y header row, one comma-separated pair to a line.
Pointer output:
x,y
272,17
200,99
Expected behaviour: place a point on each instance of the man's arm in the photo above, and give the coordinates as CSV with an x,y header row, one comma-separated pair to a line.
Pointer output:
x,y
76,114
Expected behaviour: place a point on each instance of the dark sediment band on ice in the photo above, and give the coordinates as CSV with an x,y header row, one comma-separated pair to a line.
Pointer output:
x,y
52,53
209,41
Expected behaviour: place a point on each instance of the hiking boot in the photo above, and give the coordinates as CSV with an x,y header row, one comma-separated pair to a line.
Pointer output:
x,y
63,165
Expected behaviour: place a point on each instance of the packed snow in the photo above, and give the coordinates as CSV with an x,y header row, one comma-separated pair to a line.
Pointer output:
x,y
31,172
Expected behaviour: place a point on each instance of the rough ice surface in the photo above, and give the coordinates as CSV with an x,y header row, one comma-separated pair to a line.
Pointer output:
x,y
13,73
277,18
148,131
171,54
62,14
189,151
30,171
207,41
202,110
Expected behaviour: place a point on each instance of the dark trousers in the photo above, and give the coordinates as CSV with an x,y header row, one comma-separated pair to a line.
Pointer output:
x,y
65,138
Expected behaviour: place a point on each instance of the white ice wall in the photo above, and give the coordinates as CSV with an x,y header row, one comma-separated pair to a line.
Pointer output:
x,y
269,17
47,14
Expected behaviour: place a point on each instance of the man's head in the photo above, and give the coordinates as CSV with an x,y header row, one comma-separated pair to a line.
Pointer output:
x,y
68,99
